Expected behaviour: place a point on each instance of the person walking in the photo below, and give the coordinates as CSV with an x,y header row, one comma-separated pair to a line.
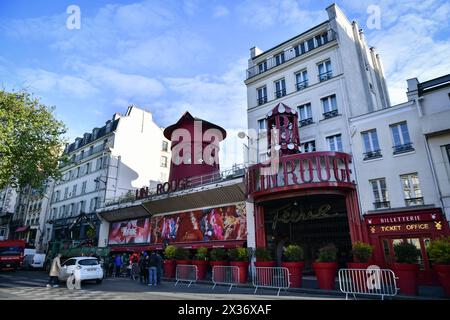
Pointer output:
x,y
54,272
118,263
159,268
153,263
142,269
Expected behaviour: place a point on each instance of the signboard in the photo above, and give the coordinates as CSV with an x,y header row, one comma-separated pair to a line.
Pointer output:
x,y
404,218
409,227
131,231
212,224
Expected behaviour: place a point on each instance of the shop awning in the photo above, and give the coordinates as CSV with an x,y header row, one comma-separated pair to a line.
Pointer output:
x,y
22,229
124,213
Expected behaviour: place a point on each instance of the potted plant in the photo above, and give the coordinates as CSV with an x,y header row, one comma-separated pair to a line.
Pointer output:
x,y
325,267
169,262
239,258
182,257
201,261
218,258
361,255
406,267
439,252
293,260
264,258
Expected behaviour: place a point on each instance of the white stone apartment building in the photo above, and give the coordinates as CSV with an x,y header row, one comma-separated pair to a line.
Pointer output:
x,y
402,160
110,162
8,198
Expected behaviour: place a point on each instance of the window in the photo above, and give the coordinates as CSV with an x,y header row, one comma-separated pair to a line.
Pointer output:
x,y
411,189
335,143
309,146
83,187
74,190
54,210
280,88
70,262
78,172
164,162
300,49
71,210
262,67
262,95
329,105
325,71
305,114
92,205
310,44
58,194
97,183
82,206
447,150
279,59
380,193
400,138
371,146
321,39
262,125
88,168
99,163
61,212
302,79
165,146
66,192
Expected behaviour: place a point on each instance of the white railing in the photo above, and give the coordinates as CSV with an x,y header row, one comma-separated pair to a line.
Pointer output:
x,y
370,281
186,273
271,277
226,275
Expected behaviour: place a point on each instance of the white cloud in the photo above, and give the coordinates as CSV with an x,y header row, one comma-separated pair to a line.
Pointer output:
x,y
220,11
267,13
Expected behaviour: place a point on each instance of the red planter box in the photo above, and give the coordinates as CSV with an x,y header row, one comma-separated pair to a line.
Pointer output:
x,y
262,275
243,270
443,272
295,271
169,268
326,274
407,277
201,268
358,265
219,276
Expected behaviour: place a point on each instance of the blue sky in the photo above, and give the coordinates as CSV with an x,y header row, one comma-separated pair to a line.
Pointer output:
x,y
173,55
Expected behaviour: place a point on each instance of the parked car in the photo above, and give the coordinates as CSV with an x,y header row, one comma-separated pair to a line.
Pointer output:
x,y
89,267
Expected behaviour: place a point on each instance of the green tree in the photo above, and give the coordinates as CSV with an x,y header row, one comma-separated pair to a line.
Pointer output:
x,y
31,142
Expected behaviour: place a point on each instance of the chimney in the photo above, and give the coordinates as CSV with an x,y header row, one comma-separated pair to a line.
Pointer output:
x,y
116,116
413,89
255,51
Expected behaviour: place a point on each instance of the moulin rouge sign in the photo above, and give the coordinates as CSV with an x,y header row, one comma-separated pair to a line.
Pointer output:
x,y
165,188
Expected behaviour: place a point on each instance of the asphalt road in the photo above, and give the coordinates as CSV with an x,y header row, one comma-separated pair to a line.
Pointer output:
x,y
31,285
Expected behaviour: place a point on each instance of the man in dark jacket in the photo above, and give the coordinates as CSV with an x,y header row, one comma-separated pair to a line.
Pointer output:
x,y
159,267
143,269
153,264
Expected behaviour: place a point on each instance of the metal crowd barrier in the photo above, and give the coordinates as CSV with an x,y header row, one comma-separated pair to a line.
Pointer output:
x,y
187,273
370,281
271,277
227,275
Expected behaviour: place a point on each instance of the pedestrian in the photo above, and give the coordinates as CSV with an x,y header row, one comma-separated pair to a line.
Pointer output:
x,y
159,267
142,269
153,263
118,263
54,272
146,266
135,269
111,266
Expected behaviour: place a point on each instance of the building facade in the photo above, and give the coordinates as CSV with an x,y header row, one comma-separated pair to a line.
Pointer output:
x,y
403,167
105,165
8,198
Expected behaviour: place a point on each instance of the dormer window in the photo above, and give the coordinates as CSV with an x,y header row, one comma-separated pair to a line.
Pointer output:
x,y
279,58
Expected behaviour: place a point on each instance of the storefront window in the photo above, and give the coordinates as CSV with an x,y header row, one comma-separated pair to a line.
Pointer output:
x,y
387,253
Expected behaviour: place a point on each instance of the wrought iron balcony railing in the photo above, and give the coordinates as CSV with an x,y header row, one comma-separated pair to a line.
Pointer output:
x,y
402,148
280,93
382,204
330,114
372,155
305,122
414,201
325,76
262,100
301,85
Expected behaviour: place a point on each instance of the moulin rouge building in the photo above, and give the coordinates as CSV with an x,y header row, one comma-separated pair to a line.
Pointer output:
x,y
317,103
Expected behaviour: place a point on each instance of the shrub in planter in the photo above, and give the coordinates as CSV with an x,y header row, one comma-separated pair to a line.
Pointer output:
x,y
239,258
439,252
218,258
293,260
264,258
201,261
361,254
406,267
325,267
169,262
182,257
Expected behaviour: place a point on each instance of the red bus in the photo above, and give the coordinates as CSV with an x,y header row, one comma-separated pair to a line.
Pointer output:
x,y
11,254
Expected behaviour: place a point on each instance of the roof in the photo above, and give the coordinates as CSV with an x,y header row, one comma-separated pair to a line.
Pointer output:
x,y
186,118
90,137
281,108
434,83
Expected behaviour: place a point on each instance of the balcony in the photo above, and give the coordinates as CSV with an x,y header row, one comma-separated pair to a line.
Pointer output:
x,y
375,154
262,100
402,148
330,114
305,122
280,93
414,202
273,62
382,205
325,76
301,85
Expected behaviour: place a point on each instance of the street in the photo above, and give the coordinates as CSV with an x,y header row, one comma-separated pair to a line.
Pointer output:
x,y
31,285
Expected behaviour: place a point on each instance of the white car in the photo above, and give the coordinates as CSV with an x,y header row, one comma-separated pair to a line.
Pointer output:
x,y
88,268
